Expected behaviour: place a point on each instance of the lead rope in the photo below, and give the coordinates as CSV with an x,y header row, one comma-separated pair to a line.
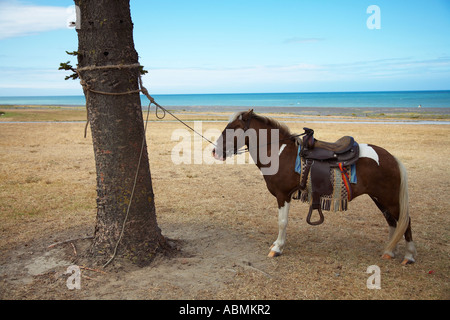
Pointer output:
x,y
87,89
152,101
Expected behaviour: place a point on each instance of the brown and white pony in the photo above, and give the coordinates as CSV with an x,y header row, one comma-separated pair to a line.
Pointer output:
x,y
379,174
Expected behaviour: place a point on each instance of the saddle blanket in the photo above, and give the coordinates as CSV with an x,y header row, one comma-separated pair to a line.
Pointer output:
x,y
298,167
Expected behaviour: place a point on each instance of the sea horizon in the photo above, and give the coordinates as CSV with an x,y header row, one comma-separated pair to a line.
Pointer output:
x,y
348,99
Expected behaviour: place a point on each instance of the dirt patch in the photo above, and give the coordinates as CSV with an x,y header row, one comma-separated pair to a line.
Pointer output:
x,y
209,258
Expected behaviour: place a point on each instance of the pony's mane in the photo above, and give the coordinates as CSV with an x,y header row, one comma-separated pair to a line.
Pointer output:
x,y
266,120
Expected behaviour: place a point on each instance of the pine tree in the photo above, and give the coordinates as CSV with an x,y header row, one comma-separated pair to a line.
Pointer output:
x,y
108,63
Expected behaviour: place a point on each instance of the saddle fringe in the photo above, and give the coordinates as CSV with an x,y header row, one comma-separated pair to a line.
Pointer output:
x,y
327,203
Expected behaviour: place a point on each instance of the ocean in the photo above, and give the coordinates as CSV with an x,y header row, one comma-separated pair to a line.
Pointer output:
x,y
386,99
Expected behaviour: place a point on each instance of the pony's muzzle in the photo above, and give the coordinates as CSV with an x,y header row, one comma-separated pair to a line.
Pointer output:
x,y
216,156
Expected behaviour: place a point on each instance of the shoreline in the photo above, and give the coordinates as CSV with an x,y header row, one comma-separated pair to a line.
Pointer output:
x,y
320,111
261,109
385,122
61,113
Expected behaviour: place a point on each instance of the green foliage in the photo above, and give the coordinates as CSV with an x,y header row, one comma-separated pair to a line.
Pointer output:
x,y
67,66
73,53
142,71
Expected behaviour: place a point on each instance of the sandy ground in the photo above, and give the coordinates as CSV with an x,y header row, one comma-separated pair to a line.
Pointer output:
x,y
222,219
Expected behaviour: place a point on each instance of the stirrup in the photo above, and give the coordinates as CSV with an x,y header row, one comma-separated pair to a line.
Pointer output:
x,y
315,223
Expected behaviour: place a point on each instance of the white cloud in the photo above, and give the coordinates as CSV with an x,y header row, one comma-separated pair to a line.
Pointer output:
x,y
26,81
245,79
392,67
297,77
20,19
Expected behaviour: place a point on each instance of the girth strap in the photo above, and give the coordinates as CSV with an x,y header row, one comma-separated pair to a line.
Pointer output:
x,y
346,180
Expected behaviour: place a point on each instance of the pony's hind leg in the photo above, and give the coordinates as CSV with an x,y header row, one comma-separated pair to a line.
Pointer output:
x,y
404,220
392,225
411,251
392,222
391,197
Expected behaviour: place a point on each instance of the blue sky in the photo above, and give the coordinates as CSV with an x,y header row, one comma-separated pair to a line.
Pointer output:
x,y
242,46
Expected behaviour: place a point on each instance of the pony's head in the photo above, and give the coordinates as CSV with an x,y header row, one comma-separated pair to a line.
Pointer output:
x,y
230,140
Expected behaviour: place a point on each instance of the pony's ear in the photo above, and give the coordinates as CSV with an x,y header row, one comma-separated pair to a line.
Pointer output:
x,y
247,114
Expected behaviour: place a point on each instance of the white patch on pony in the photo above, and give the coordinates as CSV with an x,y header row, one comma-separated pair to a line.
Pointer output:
x,y
281,149
366,151
235,116
410,251
283,213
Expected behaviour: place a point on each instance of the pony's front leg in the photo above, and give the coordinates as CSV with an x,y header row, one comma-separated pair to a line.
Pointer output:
x,y
277,247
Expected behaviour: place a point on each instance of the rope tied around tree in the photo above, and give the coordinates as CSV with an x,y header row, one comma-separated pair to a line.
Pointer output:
x,y
87,88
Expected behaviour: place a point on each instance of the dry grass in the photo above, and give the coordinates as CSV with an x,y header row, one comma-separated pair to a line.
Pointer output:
x,y
47,188
42,113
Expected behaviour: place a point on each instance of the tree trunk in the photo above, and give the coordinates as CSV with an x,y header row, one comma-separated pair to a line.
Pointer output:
x,y
105,38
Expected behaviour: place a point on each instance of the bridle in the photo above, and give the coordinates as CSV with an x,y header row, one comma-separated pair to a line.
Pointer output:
x,y
247,126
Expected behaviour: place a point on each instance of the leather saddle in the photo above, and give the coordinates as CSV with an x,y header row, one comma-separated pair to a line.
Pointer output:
x,y
319,158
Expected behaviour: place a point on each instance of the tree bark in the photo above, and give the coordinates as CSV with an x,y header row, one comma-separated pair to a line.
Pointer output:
x,y
105,38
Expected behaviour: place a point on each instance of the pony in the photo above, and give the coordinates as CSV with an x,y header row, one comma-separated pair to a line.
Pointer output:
x,y
378,174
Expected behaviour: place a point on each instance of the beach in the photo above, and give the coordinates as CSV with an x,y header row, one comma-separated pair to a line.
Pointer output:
x,y
221,216
78,113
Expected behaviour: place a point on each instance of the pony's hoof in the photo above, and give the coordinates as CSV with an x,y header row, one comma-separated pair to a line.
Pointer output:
x,y
407,261
273,254
386,256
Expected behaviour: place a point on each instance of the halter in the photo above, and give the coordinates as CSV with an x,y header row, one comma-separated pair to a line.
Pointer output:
x,y
247,126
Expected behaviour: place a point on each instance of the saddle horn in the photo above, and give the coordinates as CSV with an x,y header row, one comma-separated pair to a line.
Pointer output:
x,y
308,139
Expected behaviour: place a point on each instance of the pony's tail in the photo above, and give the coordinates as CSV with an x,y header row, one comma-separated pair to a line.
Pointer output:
x,y
403,218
